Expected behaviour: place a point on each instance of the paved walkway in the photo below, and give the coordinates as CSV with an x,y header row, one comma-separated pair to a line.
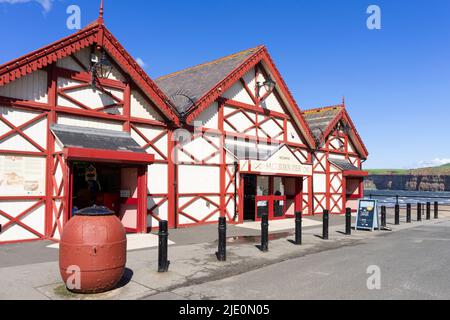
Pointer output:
x,y
30,271
412,264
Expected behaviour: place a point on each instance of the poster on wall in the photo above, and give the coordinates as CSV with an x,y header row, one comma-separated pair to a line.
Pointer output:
x,y
22,176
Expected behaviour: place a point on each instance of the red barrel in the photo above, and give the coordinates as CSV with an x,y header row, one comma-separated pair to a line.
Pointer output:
x,y
93,247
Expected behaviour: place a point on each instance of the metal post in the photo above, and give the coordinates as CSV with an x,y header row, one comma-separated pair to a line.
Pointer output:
x,y
423,209
265,232
397,214
396,197
436,210
326,220
428,211
163,263
298,228
419,212
221,254
408,213
348,221
383,217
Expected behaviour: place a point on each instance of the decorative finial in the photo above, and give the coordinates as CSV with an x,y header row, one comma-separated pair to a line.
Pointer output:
x,y
343,101
100,17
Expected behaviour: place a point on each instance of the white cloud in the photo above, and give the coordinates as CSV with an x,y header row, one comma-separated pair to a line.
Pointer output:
x,y
46,4
433,163
141,62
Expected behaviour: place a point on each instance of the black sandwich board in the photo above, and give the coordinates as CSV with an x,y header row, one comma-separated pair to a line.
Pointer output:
x,y
368,217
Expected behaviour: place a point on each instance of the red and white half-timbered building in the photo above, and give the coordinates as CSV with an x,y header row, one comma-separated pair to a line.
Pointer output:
x,y
337,162
82,124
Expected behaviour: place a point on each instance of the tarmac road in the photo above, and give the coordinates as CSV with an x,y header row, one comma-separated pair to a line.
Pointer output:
x,y
413,264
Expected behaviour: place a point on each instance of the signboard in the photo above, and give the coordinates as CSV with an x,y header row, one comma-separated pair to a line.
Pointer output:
x,y
367,217
22,176
282,162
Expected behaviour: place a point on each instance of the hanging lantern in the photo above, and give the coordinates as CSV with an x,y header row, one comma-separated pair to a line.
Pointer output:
x,y
269,85
101,69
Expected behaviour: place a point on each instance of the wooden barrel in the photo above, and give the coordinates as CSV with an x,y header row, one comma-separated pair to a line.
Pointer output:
x,y
92,254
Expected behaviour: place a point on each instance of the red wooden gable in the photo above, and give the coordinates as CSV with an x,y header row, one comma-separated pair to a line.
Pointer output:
x,y
94,34
260,55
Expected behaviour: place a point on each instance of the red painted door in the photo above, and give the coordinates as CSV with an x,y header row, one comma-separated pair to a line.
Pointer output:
x,y
274,206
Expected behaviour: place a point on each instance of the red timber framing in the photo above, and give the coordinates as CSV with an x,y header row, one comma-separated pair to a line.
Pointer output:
x,y
57,186
254,132
337,143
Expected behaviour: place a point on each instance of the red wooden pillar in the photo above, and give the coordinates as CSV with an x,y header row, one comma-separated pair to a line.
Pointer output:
x,y
142,210
223,164
172,181
344,194
127,107
241,183
51,119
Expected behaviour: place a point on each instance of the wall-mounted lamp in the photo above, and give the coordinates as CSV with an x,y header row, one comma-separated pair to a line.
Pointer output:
x,y
269,85
100,68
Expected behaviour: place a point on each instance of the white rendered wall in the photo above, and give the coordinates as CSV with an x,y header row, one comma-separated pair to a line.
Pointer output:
x,y
32,87
37,131
140,108
72,120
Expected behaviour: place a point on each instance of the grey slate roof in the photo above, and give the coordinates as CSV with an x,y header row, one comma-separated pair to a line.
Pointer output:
x,y
77,137
195,82
344,164
319,119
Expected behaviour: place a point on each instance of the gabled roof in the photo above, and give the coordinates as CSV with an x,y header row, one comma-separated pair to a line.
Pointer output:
x,y
319,120
205,83
197,81
323,121
94,34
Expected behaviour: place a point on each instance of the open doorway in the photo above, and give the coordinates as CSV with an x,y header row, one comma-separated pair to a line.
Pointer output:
x,y
96,184
114,186
279,197
250,183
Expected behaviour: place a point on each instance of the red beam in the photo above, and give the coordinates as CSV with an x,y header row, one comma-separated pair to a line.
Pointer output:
x,y
108,156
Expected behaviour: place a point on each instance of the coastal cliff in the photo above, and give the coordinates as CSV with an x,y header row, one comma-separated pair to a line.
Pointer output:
x,y
408,182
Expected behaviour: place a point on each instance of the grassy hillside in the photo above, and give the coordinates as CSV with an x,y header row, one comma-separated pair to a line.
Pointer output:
x,y
441,170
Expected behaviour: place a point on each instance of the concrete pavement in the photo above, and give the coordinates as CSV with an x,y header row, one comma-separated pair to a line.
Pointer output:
x,y
35,275
413,264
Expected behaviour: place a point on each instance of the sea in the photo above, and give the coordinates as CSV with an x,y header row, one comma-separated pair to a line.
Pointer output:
x,y
388,198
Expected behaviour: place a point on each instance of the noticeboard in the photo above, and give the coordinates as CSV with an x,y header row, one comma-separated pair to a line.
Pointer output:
x,y
367,217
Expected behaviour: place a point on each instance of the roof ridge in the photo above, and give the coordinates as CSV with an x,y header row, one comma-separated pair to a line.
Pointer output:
x,y
321,109
230,56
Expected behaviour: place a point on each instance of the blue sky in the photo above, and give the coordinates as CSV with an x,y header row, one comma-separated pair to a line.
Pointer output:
x,y
396,80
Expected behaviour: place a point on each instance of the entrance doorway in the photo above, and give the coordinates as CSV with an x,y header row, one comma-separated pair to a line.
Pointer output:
x,y
115,186
277,196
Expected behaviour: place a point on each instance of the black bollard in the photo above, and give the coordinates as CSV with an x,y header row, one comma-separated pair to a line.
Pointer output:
x,y
428,211
419,212
383,217
436,210
221,254
408,213
397,214
348,221
326,220
298,228
163,263
265,232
